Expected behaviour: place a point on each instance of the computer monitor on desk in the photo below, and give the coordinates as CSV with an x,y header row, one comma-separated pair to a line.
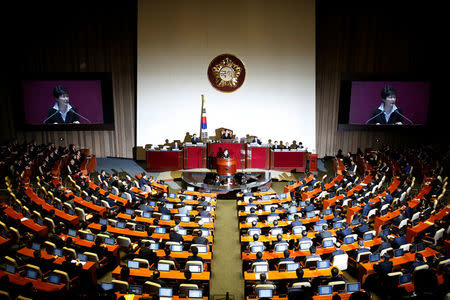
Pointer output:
x,y
265,293
325,290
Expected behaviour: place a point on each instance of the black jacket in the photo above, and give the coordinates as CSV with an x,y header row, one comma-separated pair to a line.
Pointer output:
x,y
55,117
378,117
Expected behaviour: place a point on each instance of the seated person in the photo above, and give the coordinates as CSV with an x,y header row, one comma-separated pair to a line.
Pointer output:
x,y
199,239
361,229
146,253
194,255
386,265
195,139
155,278
418,261
296,221
167,256
225,154
335,276
259,257
226,135
73,269
338,251
176,146
286,257
275,146
100,250
256,141
125,275
175,236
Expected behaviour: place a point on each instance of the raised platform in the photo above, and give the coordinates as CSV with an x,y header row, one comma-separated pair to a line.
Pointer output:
x,y
226,186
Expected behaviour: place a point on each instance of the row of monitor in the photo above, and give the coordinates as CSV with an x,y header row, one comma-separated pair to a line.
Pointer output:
x,y
163,292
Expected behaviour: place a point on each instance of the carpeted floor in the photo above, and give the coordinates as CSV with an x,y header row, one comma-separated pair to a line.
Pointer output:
x,y
226,264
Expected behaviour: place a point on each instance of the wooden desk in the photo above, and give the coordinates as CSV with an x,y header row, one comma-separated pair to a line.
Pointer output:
x,y
288,160
38,284
276,275
365,269
258,157
135,297
293,187
90,267
119,231
160,161
274,255
236,150
380,221
170,223
412,232
194,157
173,274
65,217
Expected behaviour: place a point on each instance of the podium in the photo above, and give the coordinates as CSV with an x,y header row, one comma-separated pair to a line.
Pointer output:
x,y
226,166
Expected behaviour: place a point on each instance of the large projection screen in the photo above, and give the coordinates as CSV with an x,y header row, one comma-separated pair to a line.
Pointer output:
x,y
275,40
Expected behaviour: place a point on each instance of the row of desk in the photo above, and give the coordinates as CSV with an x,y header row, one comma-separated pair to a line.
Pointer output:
x,y
247,156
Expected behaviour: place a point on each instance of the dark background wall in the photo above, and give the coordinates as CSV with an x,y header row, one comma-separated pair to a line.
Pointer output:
x,y
352,37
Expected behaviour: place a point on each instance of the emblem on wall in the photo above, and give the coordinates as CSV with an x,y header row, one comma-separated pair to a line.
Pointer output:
x,y
226,73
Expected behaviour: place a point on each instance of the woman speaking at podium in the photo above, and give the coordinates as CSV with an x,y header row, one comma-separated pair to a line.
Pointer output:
x,y
225,154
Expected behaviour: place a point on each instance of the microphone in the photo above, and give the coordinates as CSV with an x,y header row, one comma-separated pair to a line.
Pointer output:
x,y
374,117
50,116
79,114
404,117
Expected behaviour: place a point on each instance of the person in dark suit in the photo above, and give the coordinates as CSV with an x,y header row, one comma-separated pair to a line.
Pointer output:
x,y
194,139
175,236
386,265
256,141
335,276
387,112
176,146
146,253
62,112
194,256
275,145
199,239
155,278
226,135
384,244
225,154
418,261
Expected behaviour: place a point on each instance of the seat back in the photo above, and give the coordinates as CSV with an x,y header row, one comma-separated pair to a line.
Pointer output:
x,y
123,242
194,263
35,268
301,284
185,287
438,235
338,286
64,277
388,251
405,247
151,288
363,257
91,256
340,261
143,263
120,285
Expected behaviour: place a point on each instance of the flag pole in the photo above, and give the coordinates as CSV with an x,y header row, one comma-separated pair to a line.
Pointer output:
x,y
203,123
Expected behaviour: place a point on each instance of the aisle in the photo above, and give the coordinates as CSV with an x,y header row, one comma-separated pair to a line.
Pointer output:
x,y
226,264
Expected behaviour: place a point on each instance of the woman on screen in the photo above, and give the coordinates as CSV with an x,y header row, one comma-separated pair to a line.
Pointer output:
x,y
387,112
62,112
